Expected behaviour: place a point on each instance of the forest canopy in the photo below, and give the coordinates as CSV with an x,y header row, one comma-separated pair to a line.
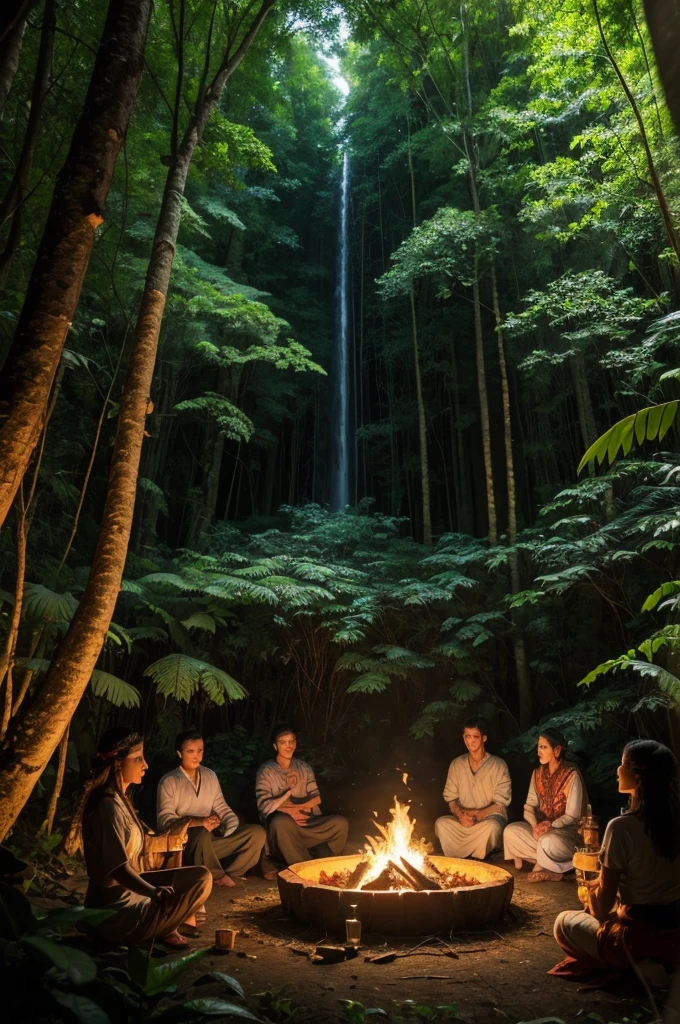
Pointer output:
x,y
177,381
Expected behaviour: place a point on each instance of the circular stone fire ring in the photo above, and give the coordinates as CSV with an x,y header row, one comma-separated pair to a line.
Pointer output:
x,y
397,912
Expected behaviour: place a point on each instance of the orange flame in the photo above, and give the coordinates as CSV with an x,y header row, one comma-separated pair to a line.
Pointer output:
x,y
394,844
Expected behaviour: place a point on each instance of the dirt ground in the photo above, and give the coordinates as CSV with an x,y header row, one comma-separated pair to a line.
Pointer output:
x,y
499,975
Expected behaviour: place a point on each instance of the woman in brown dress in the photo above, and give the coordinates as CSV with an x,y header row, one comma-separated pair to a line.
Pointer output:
x,y
147,905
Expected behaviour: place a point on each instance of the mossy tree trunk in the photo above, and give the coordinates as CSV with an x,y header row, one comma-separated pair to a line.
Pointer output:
x,y
77,209
40,727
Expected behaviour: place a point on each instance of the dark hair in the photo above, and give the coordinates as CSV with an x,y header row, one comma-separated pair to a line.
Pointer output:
x,y
188,734
114,745
555,739
476,722
657,797
280,730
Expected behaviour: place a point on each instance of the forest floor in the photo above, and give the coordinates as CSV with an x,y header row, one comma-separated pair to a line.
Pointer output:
x,y
500,975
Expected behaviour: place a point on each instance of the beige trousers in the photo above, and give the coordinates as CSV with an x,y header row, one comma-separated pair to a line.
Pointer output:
x,y
553,851
476,841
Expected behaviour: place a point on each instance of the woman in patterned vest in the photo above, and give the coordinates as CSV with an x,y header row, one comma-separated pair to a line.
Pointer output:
x,y
557,798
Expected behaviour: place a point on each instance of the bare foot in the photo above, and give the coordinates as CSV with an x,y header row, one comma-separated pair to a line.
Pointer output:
x,y
544,876
175,940
225,881
190,921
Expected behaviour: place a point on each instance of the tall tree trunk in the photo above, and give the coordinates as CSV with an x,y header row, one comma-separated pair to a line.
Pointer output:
x,y
524,695
11,40
39,729
661,199
48,823
492,525
422,424
470,153
12,205
584,404
64,251
663,21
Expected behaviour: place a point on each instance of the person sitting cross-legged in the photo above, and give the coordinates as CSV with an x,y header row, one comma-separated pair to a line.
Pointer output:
x,y
216,839
478,792
289,805
556,800
146,905
632,912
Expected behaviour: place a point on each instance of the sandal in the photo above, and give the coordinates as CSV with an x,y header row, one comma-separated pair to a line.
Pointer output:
x,y
543,876
189,931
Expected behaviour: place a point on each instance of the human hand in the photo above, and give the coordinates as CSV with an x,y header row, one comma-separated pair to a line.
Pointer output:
x,y
211,822
467,820
298,815
163,896
541,828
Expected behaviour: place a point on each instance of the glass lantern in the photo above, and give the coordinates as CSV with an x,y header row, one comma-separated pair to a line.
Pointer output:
x,y
586,860
353,927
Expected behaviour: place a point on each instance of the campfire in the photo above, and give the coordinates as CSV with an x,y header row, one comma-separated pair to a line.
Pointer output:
x,y
395,860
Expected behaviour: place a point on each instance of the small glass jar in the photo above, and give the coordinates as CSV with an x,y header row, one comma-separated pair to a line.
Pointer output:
x,y
353,927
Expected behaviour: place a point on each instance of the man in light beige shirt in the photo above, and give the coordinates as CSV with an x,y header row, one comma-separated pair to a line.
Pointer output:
x,y
478,792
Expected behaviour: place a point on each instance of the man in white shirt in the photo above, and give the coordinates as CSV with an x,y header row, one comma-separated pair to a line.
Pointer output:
x,y
216,840
478,792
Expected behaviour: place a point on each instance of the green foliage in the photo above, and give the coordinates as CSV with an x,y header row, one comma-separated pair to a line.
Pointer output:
x,y
179,676
651,424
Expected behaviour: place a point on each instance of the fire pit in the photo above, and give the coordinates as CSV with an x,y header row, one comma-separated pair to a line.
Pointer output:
x,y
397,887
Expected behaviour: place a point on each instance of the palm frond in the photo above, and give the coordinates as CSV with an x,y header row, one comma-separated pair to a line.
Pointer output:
x,y
651,424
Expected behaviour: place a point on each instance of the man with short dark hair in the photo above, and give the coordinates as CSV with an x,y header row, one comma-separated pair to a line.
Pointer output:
x,y
216,839
478,792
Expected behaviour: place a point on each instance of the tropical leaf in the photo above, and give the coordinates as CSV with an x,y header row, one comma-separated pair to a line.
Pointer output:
x,y
403,656
153,633
200,620
179,676
665,590
116,691
44,605
651,424
369,682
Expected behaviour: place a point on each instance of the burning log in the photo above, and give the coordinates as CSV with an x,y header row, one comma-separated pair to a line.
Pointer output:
x,y
411,880
356,878
421,881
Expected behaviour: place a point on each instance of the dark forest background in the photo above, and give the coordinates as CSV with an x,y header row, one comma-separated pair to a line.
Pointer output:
x,y
514,285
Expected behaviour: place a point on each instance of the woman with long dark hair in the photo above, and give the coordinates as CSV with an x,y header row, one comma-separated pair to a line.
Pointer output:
x,y
556,800
147,905
633,909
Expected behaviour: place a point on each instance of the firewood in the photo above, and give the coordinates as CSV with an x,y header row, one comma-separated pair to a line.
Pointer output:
x,y
328,954
423,881
359,873
411,880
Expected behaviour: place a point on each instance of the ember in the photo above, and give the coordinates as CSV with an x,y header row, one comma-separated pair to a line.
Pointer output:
x,y
390,879
396,861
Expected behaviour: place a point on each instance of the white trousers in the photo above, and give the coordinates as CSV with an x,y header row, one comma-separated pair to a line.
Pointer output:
x,y
476,841
552,852
576,931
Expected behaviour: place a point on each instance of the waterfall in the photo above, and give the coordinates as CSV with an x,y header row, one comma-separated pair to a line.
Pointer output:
x,y
340,427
